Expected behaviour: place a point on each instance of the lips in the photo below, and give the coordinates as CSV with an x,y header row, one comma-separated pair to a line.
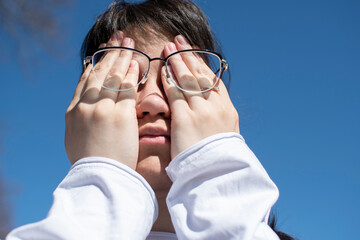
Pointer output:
x,y
153,135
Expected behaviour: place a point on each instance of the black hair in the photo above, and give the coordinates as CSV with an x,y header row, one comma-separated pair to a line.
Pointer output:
x,y
167,18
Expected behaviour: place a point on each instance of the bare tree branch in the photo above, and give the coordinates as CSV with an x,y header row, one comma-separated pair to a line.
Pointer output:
x,y
25,25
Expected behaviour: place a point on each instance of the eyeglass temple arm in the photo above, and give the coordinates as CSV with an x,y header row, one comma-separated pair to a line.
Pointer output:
x,y
224,67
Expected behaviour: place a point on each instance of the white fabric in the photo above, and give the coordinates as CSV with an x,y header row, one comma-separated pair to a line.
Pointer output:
x,y
220,191
161,236
99,199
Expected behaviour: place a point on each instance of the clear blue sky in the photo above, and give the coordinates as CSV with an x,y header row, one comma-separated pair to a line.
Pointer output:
x,y
295,81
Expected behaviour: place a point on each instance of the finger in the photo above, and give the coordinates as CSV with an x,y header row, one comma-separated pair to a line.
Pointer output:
x,y
102,67
79,88
175,96
81,84
123,62
191,60
180,73
118,71
196,64
130,83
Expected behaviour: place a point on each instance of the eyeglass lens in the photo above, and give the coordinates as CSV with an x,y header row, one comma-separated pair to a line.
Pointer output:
x,y
203,65
104,60
204,69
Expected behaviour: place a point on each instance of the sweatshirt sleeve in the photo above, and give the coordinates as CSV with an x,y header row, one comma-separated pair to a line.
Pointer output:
x,y
98,199
220,191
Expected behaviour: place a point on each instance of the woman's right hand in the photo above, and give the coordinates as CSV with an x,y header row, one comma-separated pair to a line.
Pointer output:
x,y
101,122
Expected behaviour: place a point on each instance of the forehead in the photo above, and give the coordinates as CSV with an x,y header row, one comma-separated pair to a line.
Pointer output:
x,y
149,42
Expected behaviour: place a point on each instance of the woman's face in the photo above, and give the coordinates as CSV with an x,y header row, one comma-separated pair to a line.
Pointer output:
x,y
154,118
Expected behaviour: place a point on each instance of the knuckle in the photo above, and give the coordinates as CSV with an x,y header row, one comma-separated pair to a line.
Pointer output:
x,y
202,113
116,74
102,66
83,77
81,109
103,110
78,113
186,80
133,71
128,85
207,113
201,70
187,77
68,115
99,112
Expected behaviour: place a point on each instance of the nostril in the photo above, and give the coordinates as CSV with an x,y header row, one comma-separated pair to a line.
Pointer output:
x,y
152,103
141,115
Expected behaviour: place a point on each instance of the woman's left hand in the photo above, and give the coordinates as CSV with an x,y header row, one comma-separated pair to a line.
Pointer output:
x,y
200,115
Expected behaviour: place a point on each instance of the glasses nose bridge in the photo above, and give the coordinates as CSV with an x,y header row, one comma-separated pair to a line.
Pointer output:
x,y
157,58
147,72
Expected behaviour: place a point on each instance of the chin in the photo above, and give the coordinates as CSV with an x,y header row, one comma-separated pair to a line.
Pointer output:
x,y
151,165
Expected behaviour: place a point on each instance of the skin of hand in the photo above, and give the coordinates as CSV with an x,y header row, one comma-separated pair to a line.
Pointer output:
x,y
100,122
195,116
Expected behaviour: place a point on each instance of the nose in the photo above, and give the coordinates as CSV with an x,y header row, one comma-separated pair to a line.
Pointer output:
x,y
151,99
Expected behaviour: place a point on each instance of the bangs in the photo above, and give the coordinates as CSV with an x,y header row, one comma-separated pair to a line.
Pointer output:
x,y
164,19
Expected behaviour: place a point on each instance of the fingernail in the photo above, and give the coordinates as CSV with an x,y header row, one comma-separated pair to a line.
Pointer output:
x,y
119,35
133,64
113,37
181,39
172,47
127,42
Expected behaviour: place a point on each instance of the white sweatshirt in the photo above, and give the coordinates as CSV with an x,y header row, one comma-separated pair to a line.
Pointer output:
x,y
220,191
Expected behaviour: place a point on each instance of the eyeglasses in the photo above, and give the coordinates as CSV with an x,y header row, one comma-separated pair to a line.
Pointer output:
x,y
214,62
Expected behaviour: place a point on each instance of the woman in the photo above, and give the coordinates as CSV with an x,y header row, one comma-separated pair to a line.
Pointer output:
x,y
153,137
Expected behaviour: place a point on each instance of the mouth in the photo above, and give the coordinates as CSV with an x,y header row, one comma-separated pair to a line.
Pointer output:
x,y
153,135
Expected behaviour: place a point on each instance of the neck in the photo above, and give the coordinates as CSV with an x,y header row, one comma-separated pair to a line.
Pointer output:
x,y
163,222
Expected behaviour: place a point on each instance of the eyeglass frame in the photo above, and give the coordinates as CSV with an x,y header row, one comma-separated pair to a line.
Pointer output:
x,y
223,66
